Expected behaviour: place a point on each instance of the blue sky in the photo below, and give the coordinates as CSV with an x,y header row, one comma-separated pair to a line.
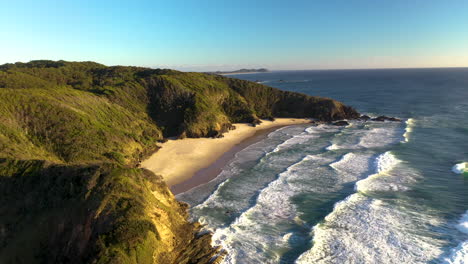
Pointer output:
x,y
211,35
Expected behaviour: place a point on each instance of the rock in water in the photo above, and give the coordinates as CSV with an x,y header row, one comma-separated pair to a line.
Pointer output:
x,y
385,118
341,123
364,118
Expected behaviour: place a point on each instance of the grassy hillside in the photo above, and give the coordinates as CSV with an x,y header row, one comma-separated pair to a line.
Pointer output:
x,y
71,134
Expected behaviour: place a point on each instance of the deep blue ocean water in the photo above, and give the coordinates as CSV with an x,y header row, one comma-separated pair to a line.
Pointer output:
x,y
371,192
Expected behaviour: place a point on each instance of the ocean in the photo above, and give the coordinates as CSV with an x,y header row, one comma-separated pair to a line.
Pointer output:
x,y
370,192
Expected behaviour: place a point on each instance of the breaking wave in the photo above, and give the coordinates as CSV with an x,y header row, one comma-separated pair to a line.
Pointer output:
x,y
459,255
272,209
408,129
460,168
365,230
383,164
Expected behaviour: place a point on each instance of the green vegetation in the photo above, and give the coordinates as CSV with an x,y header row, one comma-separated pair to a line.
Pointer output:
x,y
71,135
92,214
86,112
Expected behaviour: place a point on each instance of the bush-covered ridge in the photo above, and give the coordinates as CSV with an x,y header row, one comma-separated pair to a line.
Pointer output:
x,y
93,214
87,112
71,134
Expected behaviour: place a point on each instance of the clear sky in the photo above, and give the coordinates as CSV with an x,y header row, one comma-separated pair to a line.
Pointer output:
x,y
212,35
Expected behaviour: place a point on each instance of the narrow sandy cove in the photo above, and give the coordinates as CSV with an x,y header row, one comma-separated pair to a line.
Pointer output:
x,y
179,160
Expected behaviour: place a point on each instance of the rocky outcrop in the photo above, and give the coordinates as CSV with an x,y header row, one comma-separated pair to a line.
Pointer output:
x,y
269,102
386,118
364,118
341,123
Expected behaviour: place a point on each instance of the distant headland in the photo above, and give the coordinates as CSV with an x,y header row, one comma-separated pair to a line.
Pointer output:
x,y
241,71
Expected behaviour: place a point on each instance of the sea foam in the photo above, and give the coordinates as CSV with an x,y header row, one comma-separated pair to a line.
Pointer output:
x,y
463,224
353,166
383,164
321,129
460,168
459,255
361,229
386,162
380,136
365,136
274,213
375,222
408,129
332,147
273,208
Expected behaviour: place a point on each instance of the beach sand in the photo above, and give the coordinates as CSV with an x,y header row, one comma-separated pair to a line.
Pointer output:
x,y
186,163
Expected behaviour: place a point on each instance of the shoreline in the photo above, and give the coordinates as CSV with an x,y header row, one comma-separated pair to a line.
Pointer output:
x,y
207,174
187,163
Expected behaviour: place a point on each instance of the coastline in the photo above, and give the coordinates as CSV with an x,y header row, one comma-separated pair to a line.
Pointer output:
x,y
189,162
239,73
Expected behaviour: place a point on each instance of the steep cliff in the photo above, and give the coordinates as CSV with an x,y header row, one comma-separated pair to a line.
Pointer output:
x,y
71,135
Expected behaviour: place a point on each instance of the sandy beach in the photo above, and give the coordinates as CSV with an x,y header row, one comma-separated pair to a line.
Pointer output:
x,y
186,163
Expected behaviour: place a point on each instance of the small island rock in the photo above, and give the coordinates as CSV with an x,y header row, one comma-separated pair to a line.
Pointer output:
x,y
364,118
385,118
341,123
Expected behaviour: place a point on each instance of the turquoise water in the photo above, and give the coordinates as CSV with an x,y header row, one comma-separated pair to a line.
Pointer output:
x,y
370,192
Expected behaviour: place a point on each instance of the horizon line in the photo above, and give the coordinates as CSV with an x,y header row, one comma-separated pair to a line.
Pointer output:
x,y
383,68
246,67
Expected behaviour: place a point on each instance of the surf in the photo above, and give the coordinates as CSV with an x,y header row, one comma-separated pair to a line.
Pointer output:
x,y
358,222
460,168
459,255
408,129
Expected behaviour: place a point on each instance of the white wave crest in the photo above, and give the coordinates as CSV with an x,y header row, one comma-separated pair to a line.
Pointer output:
x,y
408,129
332,147
344,162
380,136
321,128
463,223
352,167
383,164
242,239
366,230
369,136
460,168
459,255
